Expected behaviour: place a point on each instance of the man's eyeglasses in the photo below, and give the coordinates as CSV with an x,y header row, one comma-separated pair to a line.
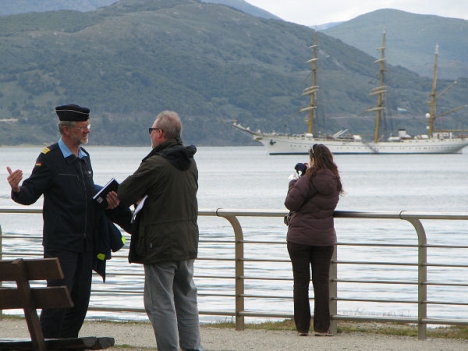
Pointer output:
x,y
82,128
151,129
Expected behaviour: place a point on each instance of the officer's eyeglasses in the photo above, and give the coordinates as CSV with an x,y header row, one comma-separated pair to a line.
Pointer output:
x,y
83,128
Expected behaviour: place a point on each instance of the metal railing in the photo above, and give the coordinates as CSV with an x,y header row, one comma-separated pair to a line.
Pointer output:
x,y
239,259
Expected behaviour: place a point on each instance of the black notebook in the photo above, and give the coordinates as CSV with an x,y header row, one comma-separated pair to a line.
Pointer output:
x,y
100,197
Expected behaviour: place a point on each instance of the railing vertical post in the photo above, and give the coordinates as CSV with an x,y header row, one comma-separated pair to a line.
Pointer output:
x,y
333,291
239,268
422,277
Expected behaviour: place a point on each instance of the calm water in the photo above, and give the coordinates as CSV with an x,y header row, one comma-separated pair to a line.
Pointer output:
x,y
246,177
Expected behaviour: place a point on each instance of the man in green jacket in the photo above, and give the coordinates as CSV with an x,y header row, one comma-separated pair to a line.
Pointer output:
x,y
165,240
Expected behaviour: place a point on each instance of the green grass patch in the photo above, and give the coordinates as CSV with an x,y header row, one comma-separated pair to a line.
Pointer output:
x,y
398,329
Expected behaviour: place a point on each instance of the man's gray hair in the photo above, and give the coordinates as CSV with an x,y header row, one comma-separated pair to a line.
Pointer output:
x,y
61,124
170,123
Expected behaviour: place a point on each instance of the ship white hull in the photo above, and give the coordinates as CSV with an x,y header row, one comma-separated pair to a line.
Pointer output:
x,y
300,144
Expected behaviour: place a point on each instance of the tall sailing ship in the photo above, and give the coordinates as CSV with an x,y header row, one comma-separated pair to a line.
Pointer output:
x,y
435,142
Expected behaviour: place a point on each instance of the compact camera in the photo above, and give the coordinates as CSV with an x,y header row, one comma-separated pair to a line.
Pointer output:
x,y
300,168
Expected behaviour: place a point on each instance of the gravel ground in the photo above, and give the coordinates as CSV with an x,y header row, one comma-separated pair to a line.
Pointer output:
x,y
139,336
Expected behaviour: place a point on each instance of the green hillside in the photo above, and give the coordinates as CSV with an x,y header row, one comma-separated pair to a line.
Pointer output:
x,y
411,40
211,63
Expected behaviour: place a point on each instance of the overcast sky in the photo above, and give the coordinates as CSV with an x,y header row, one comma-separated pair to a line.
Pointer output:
x,y
315,12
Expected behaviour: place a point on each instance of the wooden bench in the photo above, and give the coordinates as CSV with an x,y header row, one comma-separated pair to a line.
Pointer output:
x,y
31,298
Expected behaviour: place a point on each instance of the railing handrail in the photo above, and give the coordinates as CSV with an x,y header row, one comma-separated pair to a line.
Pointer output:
x,y
223,212
413,217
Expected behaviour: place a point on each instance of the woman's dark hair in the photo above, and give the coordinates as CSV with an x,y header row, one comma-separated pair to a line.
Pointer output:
x,y
323,159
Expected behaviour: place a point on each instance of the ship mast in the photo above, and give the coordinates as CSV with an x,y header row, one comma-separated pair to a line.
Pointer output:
x,y
432,101
312,90
431,116
380,90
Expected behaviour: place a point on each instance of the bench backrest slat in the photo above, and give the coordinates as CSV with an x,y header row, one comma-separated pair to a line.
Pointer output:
x,y
36,269
52,297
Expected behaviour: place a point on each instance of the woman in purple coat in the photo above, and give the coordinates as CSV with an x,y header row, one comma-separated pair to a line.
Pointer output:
x,y
311,238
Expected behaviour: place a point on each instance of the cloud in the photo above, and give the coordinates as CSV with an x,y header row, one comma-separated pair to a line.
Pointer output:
x,y
310,13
